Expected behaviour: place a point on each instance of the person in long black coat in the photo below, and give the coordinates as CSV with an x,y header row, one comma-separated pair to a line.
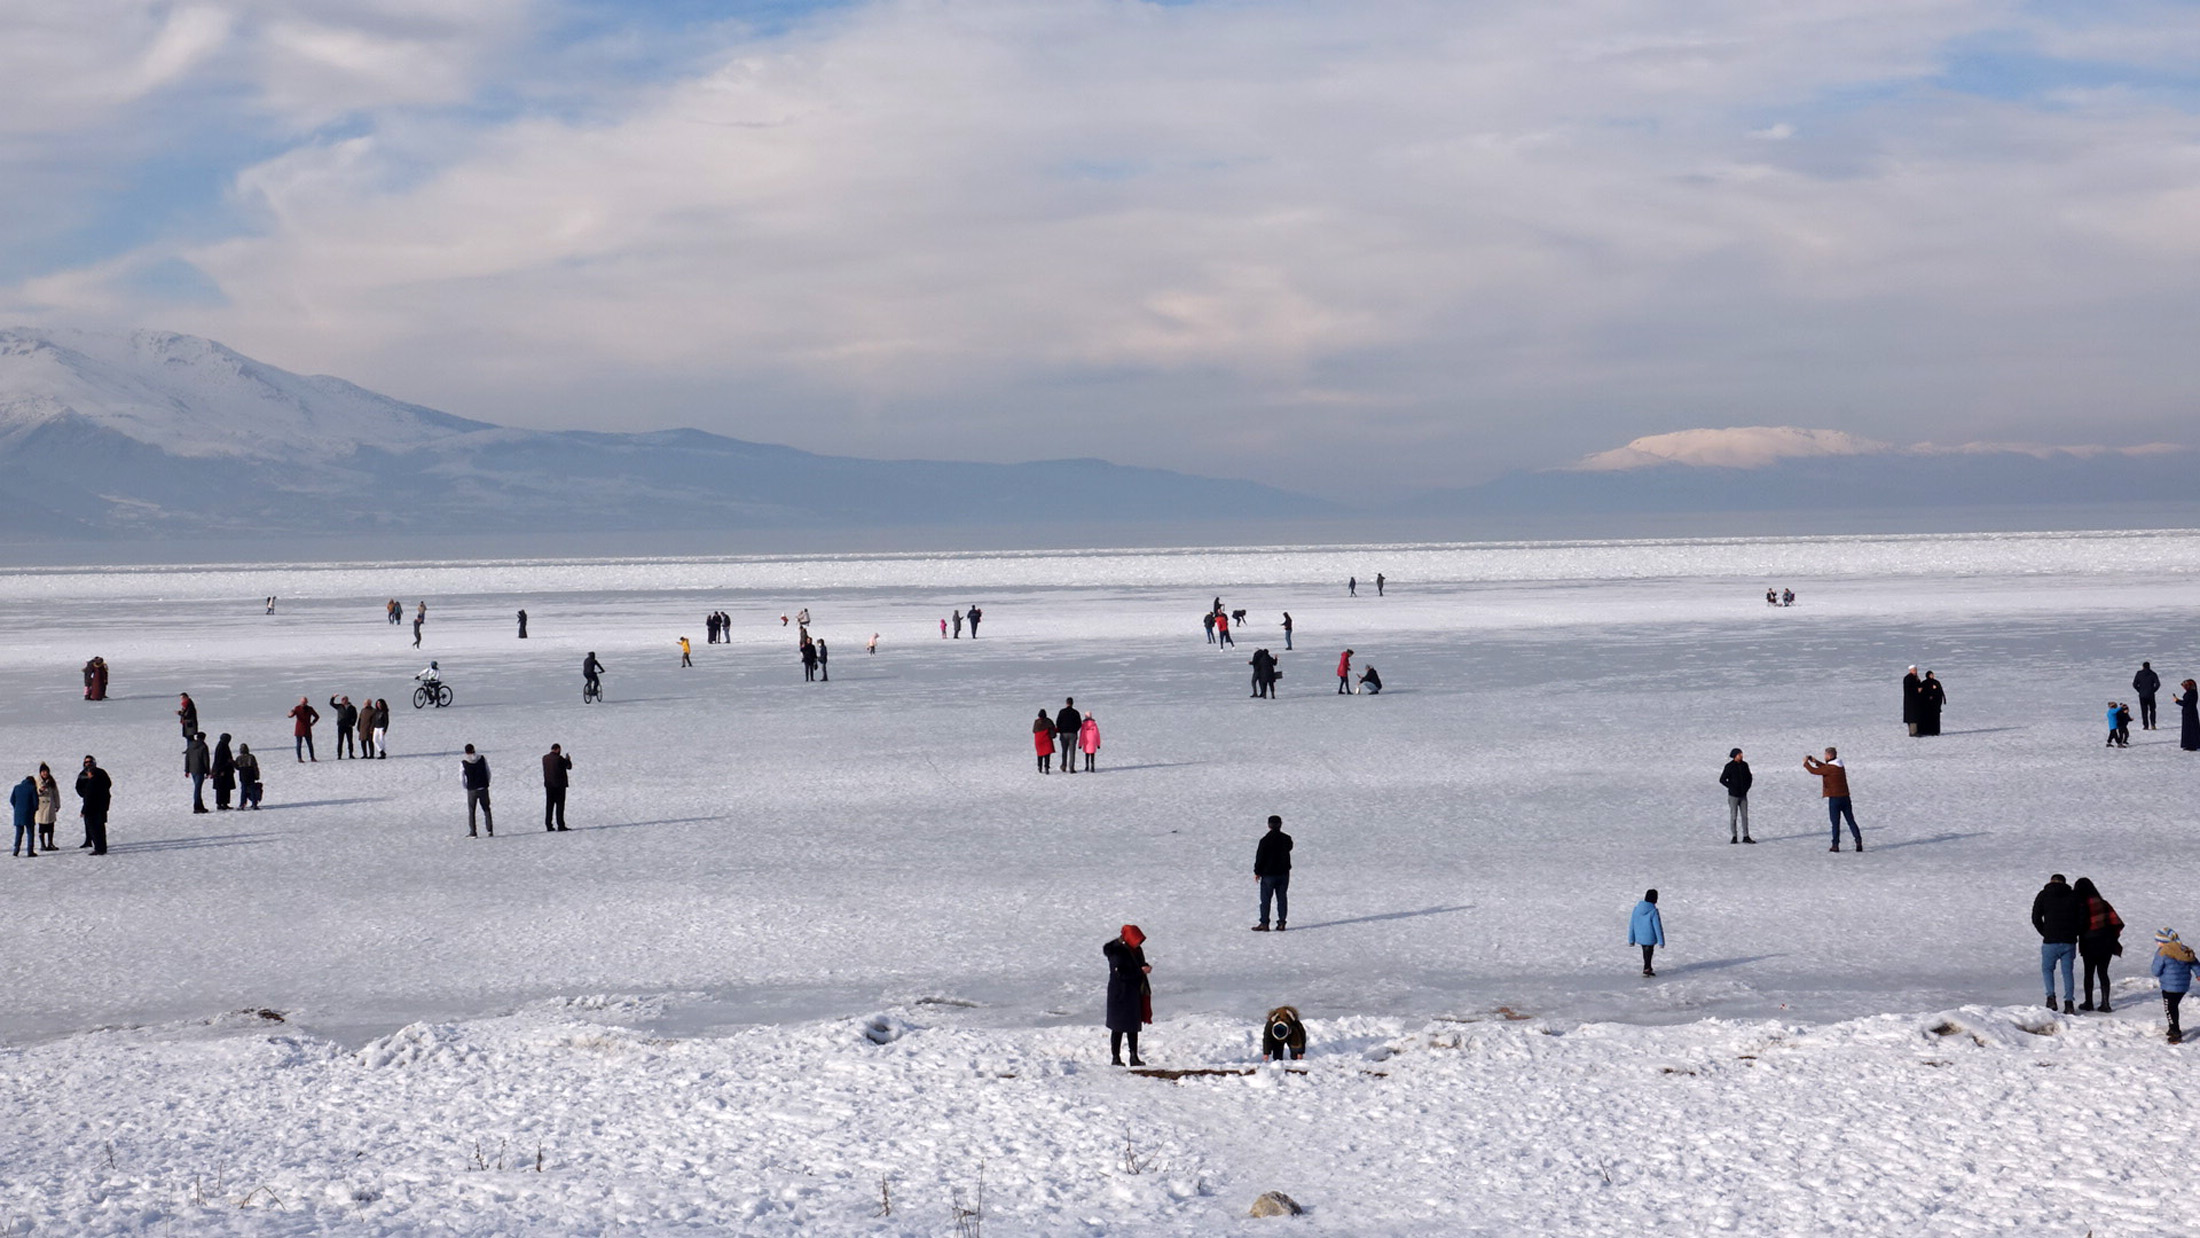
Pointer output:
x,y
225,772
1130,1000
1931,697
1910,691
96,790
2188,707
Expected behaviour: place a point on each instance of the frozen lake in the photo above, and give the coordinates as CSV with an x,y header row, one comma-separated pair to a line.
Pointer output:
x,y
764,849
809,942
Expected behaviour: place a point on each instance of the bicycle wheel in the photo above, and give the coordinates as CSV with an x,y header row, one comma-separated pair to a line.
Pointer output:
x,y
420,698
442,695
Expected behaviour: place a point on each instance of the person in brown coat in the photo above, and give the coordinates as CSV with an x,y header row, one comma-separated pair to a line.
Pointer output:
x,y
1833,780
556,766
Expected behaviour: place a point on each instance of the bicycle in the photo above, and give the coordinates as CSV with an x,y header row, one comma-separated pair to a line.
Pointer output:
x,y
436,694
592,690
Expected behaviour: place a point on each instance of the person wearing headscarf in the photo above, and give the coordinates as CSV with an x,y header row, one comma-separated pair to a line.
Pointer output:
x,y
1130,993
2188,716
1910,685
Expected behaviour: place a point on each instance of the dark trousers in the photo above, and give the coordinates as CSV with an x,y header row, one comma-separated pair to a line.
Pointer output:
x,y
248,795
1046,762
1088,761
198,793
1278,888
95,833
553,808
2146,710
1287,639
1116,1039
2169,1006
1068,740
824,672
346,743
303,744
1344,685
2095,965
479,798
1837,807
221,793
1647,951
1222,637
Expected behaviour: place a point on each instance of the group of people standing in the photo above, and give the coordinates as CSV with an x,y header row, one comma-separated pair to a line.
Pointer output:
x,y
1072,731
719,625
2076,924
1922,701
970,616
37,805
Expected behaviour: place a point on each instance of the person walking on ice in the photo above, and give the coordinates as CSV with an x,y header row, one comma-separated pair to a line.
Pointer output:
x,y
1067,724
2146,683
1736,779
2059,920
1646,928
1287,631
1042,740
302,718
2100,931
1833,779
2173,966
473,774
687,653
1088,740
1272,869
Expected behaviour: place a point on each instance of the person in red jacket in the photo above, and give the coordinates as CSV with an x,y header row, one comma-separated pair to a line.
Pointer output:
x,y
303,716
1042,741
1344,674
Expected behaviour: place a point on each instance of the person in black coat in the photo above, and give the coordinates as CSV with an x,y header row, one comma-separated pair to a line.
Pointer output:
x,y
2059,919
197,764
824,662
225,772
1931,697
2188,717
2146,683
1130,993
523,625
1736,778
473,771
556,770
974,615
1910,685
347,726
96,791
809,661
1272,868
1067,722
1264,674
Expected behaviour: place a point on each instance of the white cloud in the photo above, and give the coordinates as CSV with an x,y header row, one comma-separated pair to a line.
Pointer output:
x,y
1231,237
1756,447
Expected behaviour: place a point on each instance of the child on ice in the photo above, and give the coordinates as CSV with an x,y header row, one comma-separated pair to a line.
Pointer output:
x,y
2173,966
1647,929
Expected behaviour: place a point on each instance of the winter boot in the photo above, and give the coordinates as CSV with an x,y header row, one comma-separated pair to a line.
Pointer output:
x,y
1279,926
1747,839
2086,1005
2051,1003
2104,1007
2068,1007
1260,928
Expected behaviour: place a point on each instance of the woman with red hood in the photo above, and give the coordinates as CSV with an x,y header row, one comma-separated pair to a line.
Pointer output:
x,y
1130,994
1344,674
1042,741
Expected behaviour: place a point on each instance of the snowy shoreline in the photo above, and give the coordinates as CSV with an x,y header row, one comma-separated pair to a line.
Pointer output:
x,y
1971,1121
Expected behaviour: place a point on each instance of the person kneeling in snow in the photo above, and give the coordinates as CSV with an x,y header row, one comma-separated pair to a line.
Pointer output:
x,y
1283,1034
1647,929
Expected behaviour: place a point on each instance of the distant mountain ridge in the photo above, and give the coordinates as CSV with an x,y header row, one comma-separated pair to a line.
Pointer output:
x,y
154,434
1787,468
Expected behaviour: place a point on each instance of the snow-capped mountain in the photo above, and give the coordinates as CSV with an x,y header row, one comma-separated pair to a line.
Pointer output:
x,y
157,434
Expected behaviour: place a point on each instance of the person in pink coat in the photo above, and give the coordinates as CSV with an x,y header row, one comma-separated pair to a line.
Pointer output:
x,y
1088,740
1344,674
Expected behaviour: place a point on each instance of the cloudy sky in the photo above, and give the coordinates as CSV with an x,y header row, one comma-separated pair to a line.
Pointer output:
x,y
1331,244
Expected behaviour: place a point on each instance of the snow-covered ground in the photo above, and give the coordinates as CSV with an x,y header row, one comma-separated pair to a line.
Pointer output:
x,y
680,1001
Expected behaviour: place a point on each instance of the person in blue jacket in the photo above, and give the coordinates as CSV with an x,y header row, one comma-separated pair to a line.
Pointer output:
x,y
2173,966
24,799
1647,929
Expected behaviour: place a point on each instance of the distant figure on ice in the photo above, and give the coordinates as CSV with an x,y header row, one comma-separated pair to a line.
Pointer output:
x,y
2119,726
2099,932
189,716
225,773
347,726
2188,717
1931,698
2146,683
871,645
1344,673
95,680
1264,673
1130,993
974,615
1646,928
1067,724
1272,870
1911,685
381,728
802,617
1787,597
2059,921
943,629
302,718
687,653
523,623
1772,598
1238,617
809,661
1371,681
1042,741
1207,621
1287,631
417,621
271,604
557,769
2173,966
1282,1035
1222,631
24,800
473,774
1378,584
1088,740
394,611
95,792
591,677
249,789
198,763
1833,779
1736,778
1352,586
958,625
824,662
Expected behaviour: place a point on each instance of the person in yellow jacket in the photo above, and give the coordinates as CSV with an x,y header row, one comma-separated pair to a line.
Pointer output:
x,y
685,650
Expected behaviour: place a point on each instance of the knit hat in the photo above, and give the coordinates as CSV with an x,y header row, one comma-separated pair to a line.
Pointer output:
x,y
2163,937
1135,936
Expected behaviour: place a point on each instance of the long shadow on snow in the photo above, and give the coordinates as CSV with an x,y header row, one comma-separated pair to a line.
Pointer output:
x,y
357,799
1926,842
185,844
1388,915
1980,730
1716,964
627,825
1122,769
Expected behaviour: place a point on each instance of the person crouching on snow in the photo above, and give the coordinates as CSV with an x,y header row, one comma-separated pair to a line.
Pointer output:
x,y
1283,1034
